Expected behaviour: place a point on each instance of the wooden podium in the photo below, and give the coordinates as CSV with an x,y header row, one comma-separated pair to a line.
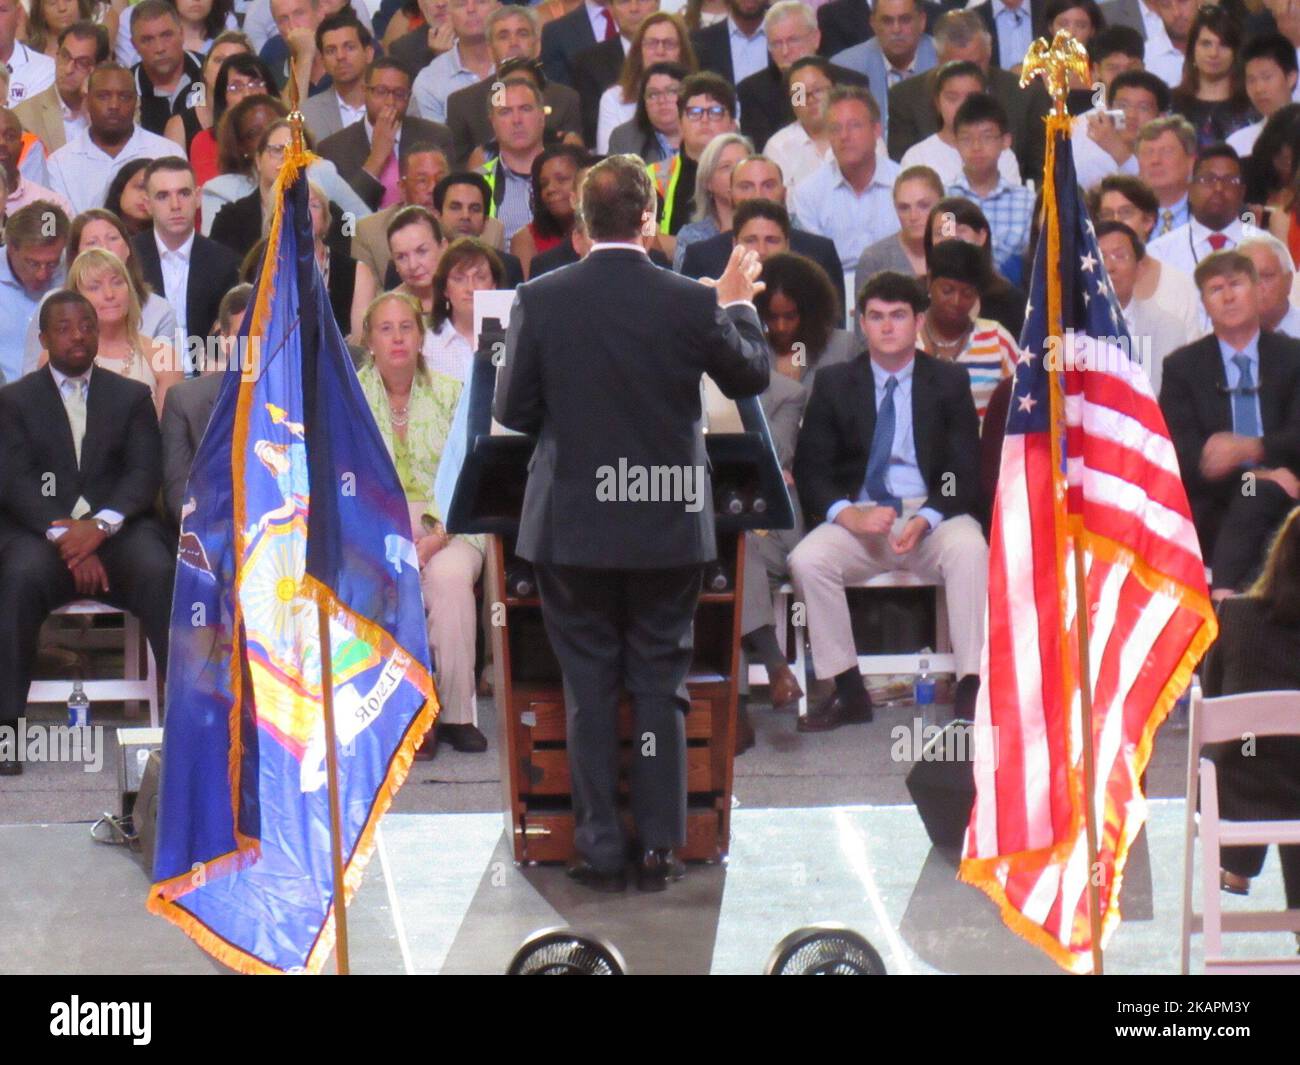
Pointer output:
x,y
528,688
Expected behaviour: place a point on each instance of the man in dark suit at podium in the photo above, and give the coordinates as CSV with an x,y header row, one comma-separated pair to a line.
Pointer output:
x,y
613,398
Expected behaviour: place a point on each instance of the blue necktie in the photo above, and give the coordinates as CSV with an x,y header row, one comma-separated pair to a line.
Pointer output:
x,y
882,446
1245,420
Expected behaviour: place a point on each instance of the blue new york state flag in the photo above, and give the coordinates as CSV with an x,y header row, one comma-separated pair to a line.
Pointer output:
x,y
292,503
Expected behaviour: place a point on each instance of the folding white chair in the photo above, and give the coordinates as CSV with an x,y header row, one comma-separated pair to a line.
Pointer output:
x,y
131,687
1229,718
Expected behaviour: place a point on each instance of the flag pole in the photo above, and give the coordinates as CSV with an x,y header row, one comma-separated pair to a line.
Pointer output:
x,y
332,772
341,961
1054,62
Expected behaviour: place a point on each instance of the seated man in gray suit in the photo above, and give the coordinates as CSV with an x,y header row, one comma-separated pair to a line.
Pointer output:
x,y
367,152
899,50
189,403
347,50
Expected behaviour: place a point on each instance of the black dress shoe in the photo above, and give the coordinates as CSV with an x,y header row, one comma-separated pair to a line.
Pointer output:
x,y
655,868
465,738
589,876
832,713
10,768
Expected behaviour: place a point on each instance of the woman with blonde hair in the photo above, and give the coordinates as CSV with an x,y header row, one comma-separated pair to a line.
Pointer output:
x,y
413,408
103,278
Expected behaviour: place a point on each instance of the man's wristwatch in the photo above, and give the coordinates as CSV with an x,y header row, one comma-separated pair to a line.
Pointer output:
x,y
103,526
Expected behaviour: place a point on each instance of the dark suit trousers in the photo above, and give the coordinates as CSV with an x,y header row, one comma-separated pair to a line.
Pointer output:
x,y
1244,533
614,631
34,581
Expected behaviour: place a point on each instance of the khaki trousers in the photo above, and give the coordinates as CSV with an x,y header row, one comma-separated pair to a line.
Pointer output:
x,y
447,581
830,558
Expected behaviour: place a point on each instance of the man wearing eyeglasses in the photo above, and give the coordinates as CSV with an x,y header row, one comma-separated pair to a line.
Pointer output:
x,y
707,107
367,153
58,114
792,34
1232,404
1215,200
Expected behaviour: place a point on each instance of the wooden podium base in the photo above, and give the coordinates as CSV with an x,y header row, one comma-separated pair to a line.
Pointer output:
x,y
530,709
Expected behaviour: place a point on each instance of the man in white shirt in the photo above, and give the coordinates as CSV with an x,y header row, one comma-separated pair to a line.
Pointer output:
x,y
1165,53
30,72
1271,76
82,169
1101,146
851,198
1272,260
1215,200
468,61
347,49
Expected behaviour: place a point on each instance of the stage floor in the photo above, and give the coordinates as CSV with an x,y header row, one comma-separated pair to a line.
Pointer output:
x,y
443,896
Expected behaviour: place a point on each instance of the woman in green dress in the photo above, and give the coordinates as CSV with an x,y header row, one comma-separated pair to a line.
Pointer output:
x,y
413,408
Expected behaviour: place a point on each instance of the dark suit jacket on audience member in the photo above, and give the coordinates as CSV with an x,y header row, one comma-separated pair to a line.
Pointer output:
x,y
912,116
214,271
467,116
412,51
713,49
238,224
562,39
1195,402
186,411
347,149
830,462
1038,27
765,105
594,70
844,23
708,258
617,386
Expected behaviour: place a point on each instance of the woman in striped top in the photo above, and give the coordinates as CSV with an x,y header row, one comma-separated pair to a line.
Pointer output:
x,y
950,332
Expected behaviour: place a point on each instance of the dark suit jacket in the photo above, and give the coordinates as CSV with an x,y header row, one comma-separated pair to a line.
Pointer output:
x,y
708,258
912,116
467,116
631,139
121,456
214,271
594,70
1039,27
845,23
562,39
186,411
238,224
412,51
765,105
1195,402
830,461
591,370
563,254
347,149
713,49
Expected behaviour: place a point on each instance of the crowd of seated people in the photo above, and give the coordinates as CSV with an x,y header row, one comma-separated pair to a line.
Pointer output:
x,y
882,160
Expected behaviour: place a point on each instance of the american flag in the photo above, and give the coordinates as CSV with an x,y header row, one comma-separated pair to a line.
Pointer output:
x,y
1086,457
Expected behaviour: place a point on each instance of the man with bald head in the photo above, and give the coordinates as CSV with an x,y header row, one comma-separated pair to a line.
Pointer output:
x,y
82,169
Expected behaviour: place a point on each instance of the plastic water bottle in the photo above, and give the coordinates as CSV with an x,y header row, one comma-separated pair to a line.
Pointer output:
x,y
78,707
923,686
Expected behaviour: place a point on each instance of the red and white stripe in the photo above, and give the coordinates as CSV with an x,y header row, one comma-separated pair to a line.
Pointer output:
x,y
1150,619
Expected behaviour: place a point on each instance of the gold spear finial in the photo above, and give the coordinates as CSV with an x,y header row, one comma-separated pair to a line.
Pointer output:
x,y
1054,62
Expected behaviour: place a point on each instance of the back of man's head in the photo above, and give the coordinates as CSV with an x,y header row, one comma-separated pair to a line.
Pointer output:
x,y
617,197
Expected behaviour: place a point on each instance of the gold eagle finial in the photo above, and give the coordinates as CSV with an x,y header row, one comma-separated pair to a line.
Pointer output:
x,y
1054,62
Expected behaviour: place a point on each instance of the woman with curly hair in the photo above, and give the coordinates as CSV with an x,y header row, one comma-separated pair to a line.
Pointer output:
x,y
554,177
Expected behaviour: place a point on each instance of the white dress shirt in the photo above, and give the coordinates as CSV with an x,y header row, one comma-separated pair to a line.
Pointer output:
x,y
796,153
176,278
81,171
348,115
447,352
30,72
73,124
1162,58
1243,141
1183,248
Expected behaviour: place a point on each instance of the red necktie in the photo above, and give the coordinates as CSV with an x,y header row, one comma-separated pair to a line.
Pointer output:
x,y
611,31
1217,241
